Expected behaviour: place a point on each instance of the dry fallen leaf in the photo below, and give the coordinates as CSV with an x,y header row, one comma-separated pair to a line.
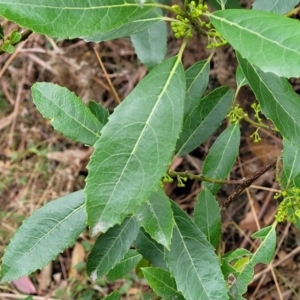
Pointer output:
x,y
78,256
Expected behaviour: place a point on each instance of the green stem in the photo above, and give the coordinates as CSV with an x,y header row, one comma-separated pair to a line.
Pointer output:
x,y
159,5
260,125
186,3
182,47
200,177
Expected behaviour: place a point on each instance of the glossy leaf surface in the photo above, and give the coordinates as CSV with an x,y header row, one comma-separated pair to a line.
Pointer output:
x,y
197,77
275,6
204,119
207,216
151,44
130,260
150,249
111,247
68,113
36,242
162,283
252,34
278,101
135,147
156,216
221,156
72,19
193,262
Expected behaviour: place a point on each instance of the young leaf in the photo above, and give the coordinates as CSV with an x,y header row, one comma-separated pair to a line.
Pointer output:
x,y
45,234
152,17
204,119
135,147
113,296
130,260
150,249
231,258
275,6
67,112
99,111
252,34
263,254
162,283
221,156
193,262
110,248
291,165
156,216
208,217
197,77
72,19
151,44
278,101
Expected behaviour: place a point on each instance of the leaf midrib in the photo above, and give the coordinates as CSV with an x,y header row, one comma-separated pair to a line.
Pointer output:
x,y
253,33
172,73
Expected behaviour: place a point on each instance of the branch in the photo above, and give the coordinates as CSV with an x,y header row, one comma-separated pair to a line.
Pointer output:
x,y
200,177
246,182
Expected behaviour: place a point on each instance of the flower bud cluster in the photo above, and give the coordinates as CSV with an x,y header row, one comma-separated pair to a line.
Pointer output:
x,y
289,208
236,114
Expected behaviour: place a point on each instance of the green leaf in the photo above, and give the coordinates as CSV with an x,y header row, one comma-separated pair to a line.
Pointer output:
x,y
231,258
111,247
151,44
162,283
240,77
207,216
278,101
131,259
197,77
15,37
252,34
28,298
221,156
132,27
113,296
193,262
8,47
263,254
135,147
156,216
45,234
67,112
99,111
204,119
72,19
150,249
275,6
291,165
229,4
